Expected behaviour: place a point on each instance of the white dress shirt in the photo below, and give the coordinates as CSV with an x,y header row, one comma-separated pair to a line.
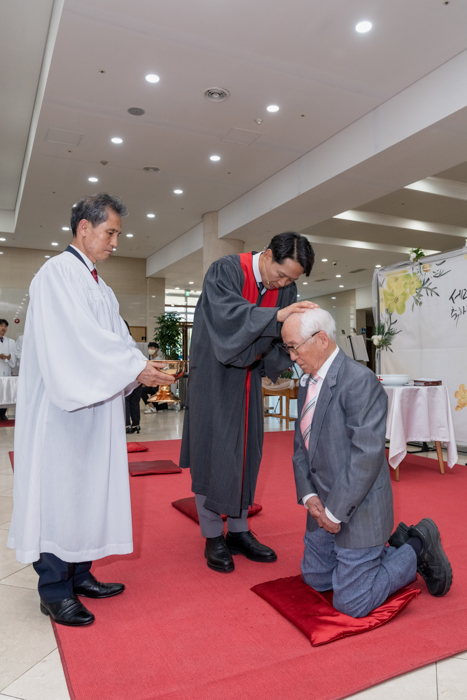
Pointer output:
x,y
86,260
322,372
257,273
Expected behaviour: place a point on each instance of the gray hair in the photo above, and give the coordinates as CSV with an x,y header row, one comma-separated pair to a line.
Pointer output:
x,y
95,209
318,320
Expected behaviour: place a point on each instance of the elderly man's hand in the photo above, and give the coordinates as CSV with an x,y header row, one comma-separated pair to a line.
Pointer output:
x,y
298,308
324,522
152,377
315,507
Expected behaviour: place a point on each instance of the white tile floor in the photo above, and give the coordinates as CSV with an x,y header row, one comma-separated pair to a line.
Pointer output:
x,y
30,667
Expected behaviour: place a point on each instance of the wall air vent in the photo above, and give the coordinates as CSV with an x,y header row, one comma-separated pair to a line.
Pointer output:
x,y
360,269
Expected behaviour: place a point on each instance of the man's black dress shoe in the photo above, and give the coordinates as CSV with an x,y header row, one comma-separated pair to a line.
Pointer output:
x,y
69,611
399,536
218,556
432,563
92,588
247,544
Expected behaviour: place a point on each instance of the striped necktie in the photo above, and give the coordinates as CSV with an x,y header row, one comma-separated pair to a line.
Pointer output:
x,y
309,408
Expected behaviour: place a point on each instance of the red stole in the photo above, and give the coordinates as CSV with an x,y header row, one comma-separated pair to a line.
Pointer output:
x,y
250,292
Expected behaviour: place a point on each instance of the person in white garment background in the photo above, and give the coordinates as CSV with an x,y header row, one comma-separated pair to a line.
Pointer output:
x,y
18,351
7,357
71,485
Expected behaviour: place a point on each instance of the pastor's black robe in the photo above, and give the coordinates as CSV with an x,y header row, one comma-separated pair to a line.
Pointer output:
x,y
228,334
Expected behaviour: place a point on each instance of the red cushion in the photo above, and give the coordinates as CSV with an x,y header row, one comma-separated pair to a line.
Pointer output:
x,y
162,466
12,460
187,506
313,614
136,447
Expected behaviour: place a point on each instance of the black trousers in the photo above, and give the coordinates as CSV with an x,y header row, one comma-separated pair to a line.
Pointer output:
x,y
133,413
57,578
148,391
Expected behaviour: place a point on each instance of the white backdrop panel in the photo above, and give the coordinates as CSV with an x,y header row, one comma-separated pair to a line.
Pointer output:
x,y
427,303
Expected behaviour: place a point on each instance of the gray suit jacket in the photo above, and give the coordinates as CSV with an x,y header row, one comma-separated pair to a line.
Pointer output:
x,y
345,463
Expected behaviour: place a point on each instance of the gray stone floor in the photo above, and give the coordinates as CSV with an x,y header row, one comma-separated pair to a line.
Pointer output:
x,y
30,667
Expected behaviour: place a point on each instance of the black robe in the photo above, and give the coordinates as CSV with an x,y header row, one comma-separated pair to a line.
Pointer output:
x,y
228,334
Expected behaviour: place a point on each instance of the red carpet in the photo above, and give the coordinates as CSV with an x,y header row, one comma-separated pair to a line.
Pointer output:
x,y
7,423
181,631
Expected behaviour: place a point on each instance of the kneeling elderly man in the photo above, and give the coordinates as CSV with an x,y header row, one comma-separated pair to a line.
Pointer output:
x,y
342,477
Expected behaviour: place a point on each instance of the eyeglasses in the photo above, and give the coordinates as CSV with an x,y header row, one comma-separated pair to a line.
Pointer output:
x,y
294,348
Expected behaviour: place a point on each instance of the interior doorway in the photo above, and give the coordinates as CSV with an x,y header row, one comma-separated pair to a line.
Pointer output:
x,y
139,333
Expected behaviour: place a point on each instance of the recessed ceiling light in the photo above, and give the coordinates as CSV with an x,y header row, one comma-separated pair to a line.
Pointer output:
x,y
116,139
54,243
298,296
46,256
214,157
333,297
2,239
363,27
129,235
190,282
65,228
324,260
152,78
305,283
177,287
93,179
178,191
2,253
272,108
341,285
338,275
114,249
377,265
150,216
153,296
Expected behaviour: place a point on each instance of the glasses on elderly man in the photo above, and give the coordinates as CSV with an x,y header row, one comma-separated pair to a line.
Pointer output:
x,y
294,348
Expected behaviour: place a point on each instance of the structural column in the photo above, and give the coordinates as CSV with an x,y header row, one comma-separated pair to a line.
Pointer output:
x,y
155,302
213,246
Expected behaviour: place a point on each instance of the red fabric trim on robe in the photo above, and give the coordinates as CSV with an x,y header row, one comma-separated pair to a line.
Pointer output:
x,y
250,292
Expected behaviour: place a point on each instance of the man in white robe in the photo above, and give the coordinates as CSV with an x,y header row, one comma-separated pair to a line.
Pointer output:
x,y
71,487
7,357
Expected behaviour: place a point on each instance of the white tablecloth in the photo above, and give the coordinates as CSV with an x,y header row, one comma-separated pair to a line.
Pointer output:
x,y
421,414
8,387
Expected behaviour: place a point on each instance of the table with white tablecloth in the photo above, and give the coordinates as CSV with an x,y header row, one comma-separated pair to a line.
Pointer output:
x,y
8,388
420,414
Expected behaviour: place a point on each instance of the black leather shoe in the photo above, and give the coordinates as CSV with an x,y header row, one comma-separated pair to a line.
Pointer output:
x,y
247,544
69,611
136,429
218,556
432,563
399,536
92,588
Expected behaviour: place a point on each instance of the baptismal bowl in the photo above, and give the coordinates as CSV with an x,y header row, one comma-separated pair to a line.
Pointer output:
x,y
394,379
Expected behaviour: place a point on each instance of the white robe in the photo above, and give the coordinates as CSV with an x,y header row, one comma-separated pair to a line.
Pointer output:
x,y
71,485
7,348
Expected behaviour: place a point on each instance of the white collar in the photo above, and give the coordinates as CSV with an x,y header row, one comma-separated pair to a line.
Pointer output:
x,y
257,273
88,263
323,370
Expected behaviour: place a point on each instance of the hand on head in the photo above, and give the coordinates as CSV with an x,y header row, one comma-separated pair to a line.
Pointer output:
x,y
298,308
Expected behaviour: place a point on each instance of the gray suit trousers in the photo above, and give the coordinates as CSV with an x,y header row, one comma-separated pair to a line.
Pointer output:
x,y
211,523
361,579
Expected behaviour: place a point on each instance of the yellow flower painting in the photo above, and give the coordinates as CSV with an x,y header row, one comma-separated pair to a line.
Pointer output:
x,y
461,396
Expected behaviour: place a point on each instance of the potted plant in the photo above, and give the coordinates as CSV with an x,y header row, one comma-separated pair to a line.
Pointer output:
x,y
168,334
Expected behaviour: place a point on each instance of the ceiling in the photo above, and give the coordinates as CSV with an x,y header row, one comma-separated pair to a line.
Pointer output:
x,y
303,56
